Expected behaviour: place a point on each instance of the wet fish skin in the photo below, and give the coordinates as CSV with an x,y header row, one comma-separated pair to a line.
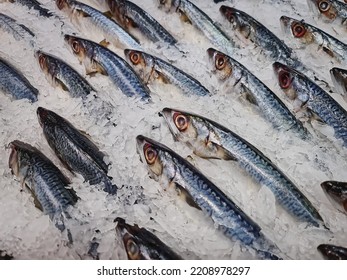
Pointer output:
x,y
61,74
209,139
330,10
202,22
309,96
149,67
339,77
165,165
129,15
35,5
332,252
336,190
18,31
75,150
13,82
110,29
141,244
270,106
251,29
45,181
97,58
308,34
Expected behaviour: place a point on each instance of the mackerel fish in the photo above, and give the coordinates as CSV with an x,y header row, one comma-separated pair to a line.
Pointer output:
x,y
337,191
110,29
271,107
75,150
60,74
209,139
332,252
330,10
310,97
149,68
97,58
32,4
141,244
167,166
309,34
339,77
129,15
202,22
13,82
45,181
248,28
18,31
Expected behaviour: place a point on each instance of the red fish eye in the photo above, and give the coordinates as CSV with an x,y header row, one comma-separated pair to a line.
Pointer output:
x,y
135,57
284,80
42,61
150,153
324,6
76,47
298,30
220,62
181,121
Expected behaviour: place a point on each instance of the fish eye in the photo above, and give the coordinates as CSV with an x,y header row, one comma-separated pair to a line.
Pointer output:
x,y
135,57
298,30
324,6
42,60
181,121
60,4
220,62
76,46
150,154
284,79
132,249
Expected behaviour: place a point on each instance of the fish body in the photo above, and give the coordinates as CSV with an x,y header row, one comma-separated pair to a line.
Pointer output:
x,y
110,29
129,15
330,10
332,252
309,34
271,107
336,190
99,59
34,5
13,82
149,67
74,149
209,139
339,77
251,29
202,22
309,96
61,74
45,181
164,164
141,244
18,31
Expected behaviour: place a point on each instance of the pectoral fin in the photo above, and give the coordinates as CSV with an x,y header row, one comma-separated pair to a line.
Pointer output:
x,y
104,43
184,194
249,95
60,84
184,17
36,201
108,14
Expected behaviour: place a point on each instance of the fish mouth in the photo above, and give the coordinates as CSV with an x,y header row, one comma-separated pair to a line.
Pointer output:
x,y
278,66
167,114
228,12
211,52
285,23
42,59
334,188
42,114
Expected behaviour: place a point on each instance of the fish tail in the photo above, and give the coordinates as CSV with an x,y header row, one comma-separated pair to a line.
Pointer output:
x,y
267,255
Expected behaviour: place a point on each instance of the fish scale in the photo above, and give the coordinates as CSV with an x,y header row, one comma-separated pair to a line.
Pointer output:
x,y
15,84
211,200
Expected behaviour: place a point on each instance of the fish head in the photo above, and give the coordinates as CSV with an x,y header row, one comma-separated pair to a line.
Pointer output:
x,y
233,15
20,158
167,5
324,8
47,64
119,10
298,29
139,243
63,4
80,47
140,63
332,252
150,152
47,119
197,132
221,64
336,190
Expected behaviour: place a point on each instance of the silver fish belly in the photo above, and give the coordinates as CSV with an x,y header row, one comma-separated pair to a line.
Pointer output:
x,y
12,82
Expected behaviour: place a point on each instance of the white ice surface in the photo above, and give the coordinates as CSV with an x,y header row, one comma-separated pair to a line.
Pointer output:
x,y
27,234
